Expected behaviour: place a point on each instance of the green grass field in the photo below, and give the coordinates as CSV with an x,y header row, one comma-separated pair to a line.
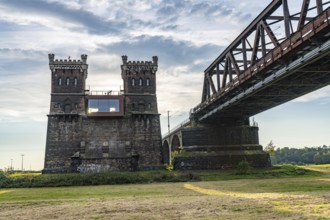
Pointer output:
x,y
253,197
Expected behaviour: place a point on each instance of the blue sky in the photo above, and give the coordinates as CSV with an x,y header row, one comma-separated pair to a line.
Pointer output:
x,y
186,36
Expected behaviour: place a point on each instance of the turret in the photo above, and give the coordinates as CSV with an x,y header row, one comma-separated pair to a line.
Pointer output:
x,y
139,76
68,84
140,85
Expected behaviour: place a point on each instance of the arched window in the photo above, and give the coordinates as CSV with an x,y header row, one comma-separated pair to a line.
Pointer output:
x,y
149,106
140,82
60,81
148,82
75,81
133,82
67,108
67,81
141,105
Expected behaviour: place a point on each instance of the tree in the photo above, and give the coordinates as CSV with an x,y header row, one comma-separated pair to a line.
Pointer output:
x,y
270,148
306,155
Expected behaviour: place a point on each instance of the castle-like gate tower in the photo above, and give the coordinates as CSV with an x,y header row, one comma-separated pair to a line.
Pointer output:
x,y
94,131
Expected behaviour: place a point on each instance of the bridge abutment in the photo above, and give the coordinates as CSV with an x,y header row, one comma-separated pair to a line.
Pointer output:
x,y
220,147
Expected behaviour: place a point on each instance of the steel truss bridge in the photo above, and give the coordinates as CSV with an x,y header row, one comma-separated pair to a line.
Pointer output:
x,y
259,70
278,57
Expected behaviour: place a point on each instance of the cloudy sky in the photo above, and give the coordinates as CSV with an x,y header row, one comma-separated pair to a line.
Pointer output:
x,y
186,35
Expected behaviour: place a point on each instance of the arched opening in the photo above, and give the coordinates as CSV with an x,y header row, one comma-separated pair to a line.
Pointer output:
x,y
175,143
141,106
60,81
133,82
140,82
67,81
165,153
149,106
148,82
67,108
75,81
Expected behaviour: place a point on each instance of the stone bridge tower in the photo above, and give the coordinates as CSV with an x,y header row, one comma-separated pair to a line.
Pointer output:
x,y
140,86
141,106
67,106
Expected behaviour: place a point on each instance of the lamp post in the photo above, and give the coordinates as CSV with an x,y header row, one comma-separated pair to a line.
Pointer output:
x,y
22,161
11,164
168,121
169,138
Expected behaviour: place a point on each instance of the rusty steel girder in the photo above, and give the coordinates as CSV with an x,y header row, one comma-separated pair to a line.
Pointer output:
x,y
258,51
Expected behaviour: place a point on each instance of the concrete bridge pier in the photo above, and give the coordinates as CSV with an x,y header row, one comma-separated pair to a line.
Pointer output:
x,y
208,146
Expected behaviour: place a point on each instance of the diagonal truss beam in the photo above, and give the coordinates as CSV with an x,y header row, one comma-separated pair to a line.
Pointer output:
x,y
272,7
240,55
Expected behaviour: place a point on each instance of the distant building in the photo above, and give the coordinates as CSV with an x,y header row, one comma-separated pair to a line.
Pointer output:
x,y
94,131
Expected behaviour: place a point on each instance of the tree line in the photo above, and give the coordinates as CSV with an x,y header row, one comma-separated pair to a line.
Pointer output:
x,y
300,156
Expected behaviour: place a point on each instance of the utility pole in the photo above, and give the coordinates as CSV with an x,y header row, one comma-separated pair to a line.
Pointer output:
x,y
168,121
11,164
22,161
169,137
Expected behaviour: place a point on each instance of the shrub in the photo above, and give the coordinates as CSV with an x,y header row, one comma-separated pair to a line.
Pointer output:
x,y
169,167
290,169
243,167
85,179
3,177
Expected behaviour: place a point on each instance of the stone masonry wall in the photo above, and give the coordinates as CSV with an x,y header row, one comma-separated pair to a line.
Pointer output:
x,y
63,141
217,135
134,139
233,135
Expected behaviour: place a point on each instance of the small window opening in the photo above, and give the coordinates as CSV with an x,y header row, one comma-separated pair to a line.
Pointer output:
x,y
75,81
140,82
133,82
60,81
67,81
148,82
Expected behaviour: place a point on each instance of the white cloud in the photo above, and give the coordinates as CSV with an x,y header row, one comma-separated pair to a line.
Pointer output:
x,y
316,95
179,89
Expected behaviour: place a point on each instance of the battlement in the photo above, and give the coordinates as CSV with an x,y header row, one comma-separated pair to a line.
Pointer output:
x,y
140,65
67,63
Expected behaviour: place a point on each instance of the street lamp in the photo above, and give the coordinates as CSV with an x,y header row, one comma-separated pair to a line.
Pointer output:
x,y
169,138
22,161
168,122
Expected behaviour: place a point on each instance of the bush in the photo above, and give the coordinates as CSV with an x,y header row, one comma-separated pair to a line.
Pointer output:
x,y
243,167
85,179
3,178
290,169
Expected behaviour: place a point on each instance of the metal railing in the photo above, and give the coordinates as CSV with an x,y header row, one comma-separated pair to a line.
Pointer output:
x,y
104,92
177,127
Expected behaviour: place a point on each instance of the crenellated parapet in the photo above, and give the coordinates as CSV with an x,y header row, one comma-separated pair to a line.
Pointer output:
x,y
64,64
137,66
